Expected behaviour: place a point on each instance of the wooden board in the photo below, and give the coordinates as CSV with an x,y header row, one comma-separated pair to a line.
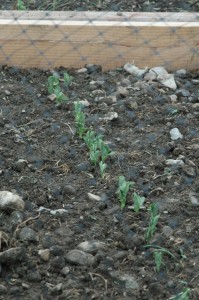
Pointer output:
x,y
48,40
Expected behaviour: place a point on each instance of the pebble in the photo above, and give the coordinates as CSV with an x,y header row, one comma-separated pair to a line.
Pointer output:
x,y
34,276
174,162
182,93
132,69
68,190
111,116
167,231
93,69
164,77
65,271
44,254
10,202
122,91
80,258
92,246
194,198
189,171
128,280
175,134
20,165
12,255
94,197
28,234
82,70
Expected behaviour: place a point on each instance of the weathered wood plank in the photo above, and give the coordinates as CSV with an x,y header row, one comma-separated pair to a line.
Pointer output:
x,y
72,39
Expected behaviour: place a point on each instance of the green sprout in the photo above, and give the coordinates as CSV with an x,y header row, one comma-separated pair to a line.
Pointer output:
x,y
54,88
94,154
158,256
138,202
102,166
79,119
67,79
123,189
184,295
105,150
21,5
153,222
91,138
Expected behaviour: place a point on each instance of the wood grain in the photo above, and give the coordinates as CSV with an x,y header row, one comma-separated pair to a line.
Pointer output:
x,y
72,39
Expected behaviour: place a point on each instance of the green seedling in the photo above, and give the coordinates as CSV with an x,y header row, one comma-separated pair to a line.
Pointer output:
x,y
21,5
94,154
54,88
67,79
105,150
138,202
153,222
158,256
79,119
90,138
102,166
184,295
163,250
123,189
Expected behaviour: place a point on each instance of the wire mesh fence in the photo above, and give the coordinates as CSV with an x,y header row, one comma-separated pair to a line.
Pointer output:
x,y
45,39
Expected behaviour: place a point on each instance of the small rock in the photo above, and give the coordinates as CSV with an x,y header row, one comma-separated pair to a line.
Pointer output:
x,y
111,116
28,234
34,276
94,197
20,165
132,69
80,258
65,271
174,162
10,201
54,290
84,103
3,289
68,190
182,93
82,70
189,171
181,72
93,69
164,77
167,231
195,105
60,211
52,97
25,286
12,255
128,280
173,98
175,134
122,91
44,254
92,246
194,199
16,217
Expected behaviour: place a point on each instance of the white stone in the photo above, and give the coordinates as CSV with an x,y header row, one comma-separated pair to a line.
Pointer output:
x,y
176,162
94,197
92,246
44,254
10,201
132,69
175,134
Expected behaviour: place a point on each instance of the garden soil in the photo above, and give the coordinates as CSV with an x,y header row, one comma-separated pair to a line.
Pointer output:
x,y
72,239
67,202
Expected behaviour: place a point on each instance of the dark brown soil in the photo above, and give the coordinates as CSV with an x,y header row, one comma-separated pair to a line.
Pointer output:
x,y
56,174
110,5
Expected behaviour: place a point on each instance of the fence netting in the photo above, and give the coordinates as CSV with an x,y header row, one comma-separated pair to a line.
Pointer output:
x,y
72,39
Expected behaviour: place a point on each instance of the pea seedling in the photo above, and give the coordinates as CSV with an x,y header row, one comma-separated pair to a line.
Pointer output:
x,y
94,154
79,119
21,5
158,256
153,222
138,202
102,166
184,295
123,189
54,87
